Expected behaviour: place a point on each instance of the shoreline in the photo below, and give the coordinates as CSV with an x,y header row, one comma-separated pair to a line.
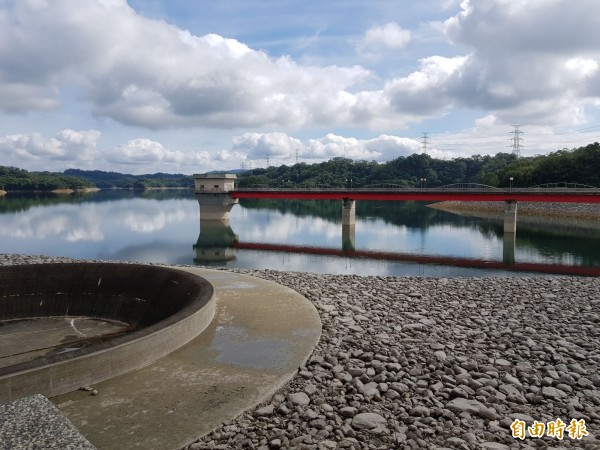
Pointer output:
x,y
578,211
407,362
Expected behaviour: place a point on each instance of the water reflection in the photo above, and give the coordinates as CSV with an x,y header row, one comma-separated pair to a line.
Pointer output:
x,y
389,238
215,242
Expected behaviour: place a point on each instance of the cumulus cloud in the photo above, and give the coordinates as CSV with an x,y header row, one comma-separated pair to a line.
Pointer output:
x,y
146,151
283,148
532,61
428,91
390,36
67,145
149,73
262,145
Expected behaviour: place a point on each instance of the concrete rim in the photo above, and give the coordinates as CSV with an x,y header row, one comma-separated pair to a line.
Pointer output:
x,y
57,374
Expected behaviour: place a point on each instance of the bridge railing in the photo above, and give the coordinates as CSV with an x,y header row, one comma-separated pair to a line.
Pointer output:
x,y
457,187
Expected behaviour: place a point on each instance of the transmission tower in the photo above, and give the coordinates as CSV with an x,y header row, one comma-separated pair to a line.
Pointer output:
x,y
296,156
242,165
268,165
516,140
424,143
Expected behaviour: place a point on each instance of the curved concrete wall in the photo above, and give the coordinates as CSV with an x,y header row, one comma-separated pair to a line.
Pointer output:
x,y
168,307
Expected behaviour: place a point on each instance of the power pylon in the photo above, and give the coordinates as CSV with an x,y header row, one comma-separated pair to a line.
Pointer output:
x,y
296,156
516,141
424,143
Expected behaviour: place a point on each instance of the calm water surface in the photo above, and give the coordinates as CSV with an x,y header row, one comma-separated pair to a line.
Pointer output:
x,y
164,227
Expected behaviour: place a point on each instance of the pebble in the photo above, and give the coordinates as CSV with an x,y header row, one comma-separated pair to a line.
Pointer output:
x,y
525,348
368,421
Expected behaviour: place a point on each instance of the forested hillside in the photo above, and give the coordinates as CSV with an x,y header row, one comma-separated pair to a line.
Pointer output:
x,y
111,180
580,165
13,179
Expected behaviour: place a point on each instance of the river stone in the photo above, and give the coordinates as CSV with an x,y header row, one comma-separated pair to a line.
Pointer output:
x,y
299,399
265,410
460,404
494,446
549,391
367,421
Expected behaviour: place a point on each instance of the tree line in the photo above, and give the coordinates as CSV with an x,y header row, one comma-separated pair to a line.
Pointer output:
x,y
113,180
581,165
14,179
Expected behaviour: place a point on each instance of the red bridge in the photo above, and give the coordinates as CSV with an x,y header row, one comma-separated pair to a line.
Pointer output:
x,y
562,193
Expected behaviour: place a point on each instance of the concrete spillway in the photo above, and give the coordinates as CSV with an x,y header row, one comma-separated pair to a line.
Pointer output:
x,y
157,310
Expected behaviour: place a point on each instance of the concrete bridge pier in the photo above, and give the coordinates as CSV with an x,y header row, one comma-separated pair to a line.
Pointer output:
x,y
348,238
508,248
348,212
510,232
213,194
215,206
510,216
215,242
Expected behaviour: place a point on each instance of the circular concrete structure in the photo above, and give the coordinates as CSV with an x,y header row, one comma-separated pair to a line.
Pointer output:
x,y
160,308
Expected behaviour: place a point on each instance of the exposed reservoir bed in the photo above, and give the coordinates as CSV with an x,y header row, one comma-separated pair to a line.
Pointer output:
x,y
28,339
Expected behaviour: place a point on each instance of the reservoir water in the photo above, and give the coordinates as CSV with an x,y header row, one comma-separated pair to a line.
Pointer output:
x,y
390,238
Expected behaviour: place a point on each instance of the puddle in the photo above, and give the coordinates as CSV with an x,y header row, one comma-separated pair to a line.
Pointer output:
x,y
235,346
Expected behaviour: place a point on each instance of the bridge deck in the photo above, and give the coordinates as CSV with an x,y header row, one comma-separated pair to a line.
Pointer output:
x,y
428,194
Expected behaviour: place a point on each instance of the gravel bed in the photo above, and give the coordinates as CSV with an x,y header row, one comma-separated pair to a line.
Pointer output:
x,y
432,363
583,211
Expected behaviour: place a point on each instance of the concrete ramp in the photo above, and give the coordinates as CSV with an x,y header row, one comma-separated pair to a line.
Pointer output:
x,y
261,334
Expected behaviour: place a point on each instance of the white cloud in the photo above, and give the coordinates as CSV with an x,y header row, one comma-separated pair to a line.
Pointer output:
x,y
68,145
282,148
428,91
262,145
148,73
390,36
100,64
532,61
146,151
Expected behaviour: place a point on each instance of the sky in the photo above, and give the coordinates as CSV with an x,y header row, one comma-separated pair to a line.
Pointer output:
x,y
190,86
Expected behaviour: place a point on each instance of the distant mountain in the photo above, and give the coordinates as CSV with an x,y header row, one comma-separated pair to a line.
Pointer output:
x,y
236,171
112,180
14,179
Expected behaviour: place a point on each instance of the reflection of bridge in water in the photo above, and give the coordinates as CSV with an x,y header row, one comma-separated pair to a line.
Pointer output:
x,y
217,195
423,259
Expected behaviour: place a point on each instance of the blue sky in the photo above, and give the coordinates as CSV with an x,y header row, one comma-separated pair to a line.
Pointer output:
x,y
195,85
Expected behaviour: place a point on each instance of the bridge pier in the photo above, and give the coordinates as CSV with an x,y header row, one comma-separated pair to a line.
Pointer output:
x,y
348,212
510,232
215,242
348,238
215,206
508,248
510,216
213,194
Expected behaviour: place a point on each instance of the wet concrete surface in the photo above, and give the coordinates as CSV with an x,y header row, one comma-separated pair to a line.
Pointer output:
x,y
261,334
28,339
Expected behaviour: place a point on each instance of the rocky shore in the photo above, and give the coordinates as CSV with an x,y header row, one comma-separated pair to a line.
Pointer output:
x,y
423,363
583,211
